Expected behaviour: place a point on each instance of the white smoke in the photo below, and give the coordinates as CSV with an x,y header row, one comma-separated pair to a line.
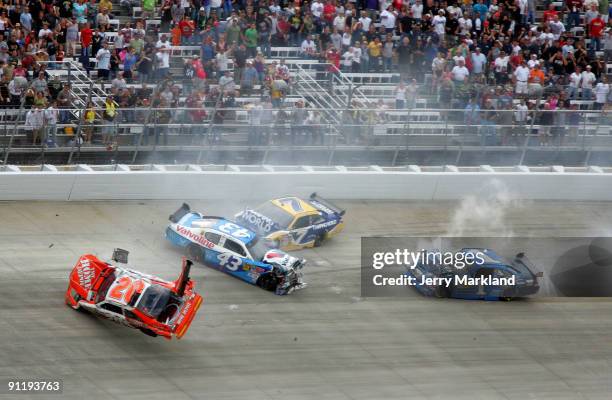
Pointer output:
x,y
485,213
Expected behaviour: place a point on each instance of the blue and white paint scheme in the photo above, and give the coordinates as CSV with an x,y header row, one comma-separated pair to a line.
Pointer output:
x,y
231,248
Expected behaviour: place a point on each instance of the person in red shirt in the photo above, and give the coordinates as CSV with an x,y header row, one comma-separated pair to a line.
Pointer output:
x,y
329,12
86,37
596,28
187,26
550,14
282,30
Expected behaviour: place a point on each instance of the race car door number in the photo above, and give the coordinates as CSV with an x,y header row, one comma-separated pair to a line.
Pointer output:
x,y
229,261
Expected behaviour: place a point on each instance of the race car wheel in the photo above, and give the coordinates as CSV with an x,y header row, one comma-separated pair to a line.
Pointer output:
x,y
195,253
148,332
319,240
267,282
443,292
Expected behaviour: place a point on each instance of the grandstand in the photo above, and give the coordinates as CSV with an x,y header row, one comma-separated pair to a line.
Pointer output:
x,y
300,101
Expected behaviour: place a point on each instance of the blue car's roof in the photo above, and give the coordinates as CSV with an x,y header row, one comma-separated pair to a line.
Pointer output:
x,y
231,228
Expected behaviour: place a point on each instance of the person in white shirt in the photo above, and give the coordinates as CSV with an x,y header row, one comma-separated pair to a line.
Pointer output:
x,y
35,121
533,60
356,57
501,68
387,19
51,117
479,61
574,83
521,75
317,9
556,27
417,10
340,22
460,72
365,21
602,89
347,60
400,96
103,56
309,47
465,26
521,113
439,23
587,81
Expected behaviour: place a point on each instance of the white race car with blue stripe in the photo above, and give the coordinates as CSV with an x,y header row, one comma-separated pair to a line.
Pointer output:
x,y
226,246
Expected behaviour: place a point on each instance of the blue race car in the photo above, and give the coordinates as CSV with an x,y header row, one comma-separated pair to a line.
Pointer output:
x,y
490,278
237,251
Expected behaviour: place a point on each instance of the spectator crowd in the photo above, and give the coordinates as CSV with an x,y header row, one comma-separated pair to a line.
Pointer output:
x,y
477,55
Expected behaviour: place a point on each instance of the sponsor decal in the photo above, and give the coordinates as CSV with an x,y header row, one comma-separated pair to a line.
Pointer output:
x,y
321,207
261,222
195,237
184,312
325,224
85,273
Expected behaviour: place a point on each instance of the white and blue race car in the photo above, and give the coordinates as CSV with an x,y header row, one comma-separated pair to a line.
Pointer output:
x,y
226,246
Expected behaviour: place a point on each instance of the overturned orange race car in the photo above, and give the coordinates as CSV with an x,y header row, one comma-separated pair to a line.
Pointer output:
x,y
154,306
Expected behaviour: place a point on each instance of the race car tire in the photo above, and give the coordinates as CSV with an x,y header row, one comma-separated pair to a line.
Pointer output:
x,y
267,282
319,240
148,332
443,292
195,252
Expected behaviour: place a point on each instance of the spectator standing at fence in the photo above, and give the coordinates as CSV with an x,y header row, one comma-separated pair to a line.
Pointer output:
x,y
602,90
109,116
400,96
64,101
573,86
546,121
35,122
89,120
51,117
298,120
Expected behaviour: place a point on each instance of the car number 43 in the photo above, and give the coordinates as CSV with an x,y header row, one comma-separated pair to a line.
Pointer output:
x,y
229,261
234,230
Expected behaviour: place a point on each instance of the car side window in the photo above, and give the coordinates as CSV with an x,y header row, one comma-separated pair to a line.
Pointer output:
x,y
112,308
316,219
302,222
234,246
212,237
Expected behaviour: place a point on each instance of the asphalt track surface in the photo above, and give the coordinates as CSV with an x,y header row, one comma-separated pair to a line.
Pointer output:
x,y
325,342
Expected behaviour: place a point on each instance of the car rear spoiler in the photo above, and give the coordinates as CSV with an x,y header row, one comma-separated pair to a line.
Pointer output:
x,y
180,213
327,204
522,258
